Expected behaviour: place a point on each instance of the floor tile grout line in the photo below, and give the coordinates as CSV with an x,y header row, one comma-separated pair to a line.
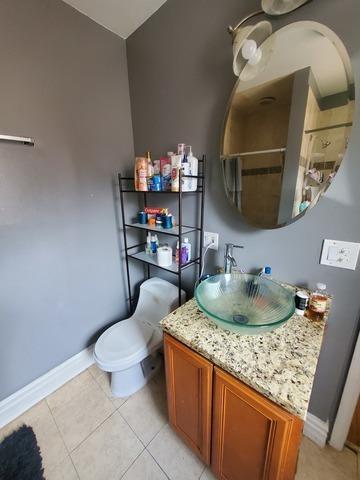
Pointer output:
x,y
152,438
93,431
167,423
70,451
132,463
137,436
356,457
122,416
61,436
91,373
201,474
116,409
57,426
157,463
128,398
63,440
131,428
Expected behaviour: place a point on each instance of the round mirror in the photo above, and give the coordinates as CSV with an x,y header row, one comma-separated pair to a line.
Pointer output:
x,y
288,124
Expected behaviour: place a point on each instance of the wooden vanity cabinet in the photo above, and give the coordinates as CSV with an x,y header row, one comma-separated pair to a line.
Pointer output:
x,y
242,434
252,438
189,395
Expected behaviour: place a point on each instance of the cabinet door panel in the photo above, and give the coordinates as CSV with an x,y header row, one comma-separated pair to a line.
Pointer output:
x,y
189,394
252,437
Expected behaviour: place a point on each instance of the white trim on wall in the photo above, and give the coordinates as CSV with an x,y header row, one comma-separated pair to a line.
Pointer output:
x,y
13,406
348,402
315,429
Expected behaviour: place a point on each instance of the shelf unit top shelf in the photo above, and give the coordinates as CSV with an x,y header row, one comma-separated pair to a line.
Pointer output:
x,y
175,231
162,192
132,190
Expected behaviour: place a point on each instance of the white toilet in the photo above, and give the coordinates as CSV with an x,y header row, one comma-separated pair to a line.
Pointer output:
x,y
130,348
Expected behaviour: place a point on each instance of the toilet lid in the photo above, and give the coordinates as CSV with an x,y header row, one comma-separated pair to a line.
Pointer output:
x,y
122,340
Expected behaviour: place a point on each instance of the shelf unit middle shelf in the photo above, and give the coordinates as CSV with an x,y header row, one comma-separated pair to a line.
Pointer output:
x,y
175,231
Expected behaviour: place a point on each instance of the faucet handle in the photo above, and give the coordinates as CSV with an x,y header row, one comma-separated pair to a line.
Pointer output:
x,y
238,246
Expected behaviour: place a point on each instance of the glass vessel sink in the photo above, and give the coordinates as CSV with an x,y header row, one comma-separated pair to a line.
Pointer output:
x,y
244,303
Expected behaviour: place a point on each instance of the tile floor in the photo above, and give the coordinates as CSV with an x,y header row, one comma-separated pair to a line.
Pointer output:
x,y
85,434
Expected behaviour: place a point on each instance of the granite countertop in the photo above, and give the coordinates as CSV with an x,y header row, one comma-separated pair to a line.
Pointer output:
x,y
280,364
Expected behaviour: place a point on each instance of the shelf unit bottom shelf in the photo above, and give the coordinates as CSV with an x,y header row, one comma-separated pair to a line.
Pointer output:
x,y
174,268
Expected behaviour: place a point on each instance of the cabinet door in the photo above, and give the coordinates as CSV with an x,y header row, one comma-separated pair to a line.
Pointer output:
x,y
253,439
189,395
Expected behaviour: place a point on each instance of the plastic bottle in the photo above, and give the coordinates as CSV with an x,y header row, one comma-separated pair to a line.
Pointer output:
x,y
150,167
185,251
157,169
154,244
181,149
194,167
165,168
141,174
266,273
175,172
148,244
149,170
318,303
185,168
177,254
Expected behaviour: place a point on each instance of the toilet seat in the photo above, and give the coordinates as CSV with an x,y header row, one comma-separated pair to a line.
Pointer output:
x,y
126,343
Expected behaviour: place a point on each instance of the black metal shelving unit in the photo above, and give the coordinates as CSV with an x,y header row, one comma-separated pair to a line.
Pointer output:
x,y
179,231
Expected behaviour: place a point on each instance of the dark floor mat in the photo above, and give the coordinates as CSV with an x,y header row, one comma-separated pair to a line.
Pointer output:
x,y
20,457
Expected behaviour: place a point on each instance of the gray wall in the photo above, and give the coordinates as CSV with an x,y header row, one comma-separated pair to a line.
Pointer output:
x,y
180,80
64,82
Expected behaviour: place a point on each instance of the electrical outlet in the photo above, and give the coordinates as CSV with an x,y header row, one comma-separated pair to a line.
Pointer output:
x,y
211,238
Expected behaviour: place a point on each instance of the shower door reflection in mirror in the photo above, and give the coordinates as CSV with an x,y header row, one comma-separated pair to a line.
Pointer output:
x,y
288,125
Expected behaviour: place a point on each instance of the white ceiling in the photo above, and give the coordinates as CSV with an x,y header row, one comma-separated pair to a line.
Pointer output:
x,y
122,17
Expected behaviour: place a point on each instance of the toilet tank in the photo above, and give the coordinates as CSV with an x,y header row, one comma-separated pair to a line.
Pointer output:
x,y
157,299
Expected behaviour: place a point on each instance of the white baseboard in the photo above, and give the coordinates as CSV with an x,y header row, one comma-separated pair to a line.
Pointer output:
x,y
20,401
316,430
13,406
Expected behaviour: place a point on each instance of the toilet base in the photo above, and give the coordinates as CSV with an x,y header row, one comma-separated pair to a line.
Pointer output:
x,y
126,382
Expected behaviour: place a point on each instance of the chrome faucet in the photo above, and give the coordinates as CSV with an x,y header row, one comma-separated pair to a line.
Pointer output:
x,y
229,260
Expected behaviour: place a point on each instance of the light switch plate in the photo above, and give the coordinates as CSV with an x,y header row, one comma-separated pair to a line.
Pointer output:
x,y
340,254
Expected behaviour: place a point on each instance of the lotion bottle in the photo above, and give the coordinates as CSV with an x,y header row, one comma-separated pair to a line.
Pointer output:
x,y
185,168
188,247
194,167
